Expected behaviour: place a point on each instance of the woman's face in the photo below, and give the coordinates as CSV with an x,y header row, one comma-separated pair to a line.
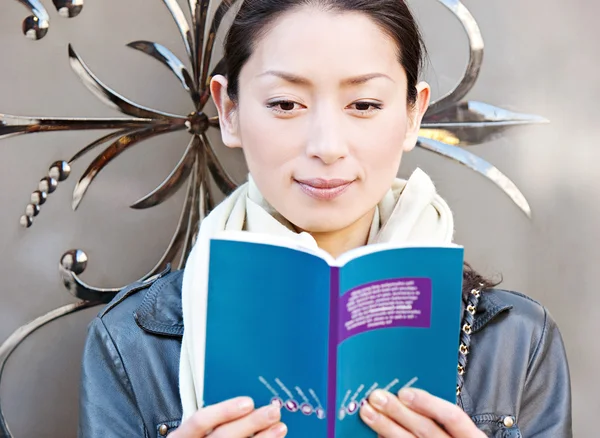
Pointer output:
x,y
322,117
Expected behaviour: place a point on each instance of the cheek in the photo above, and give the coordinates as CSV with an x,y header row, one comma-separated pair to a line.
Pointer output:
x,y
271,149
379,149
267,145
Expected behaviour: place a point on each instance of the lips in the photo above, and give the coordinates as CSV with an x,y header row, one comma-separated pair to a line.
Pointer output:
x,y
324,189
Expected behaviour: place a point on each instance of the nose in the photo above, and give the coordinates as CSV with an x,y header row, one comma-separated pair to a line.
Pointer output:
x,y
326,140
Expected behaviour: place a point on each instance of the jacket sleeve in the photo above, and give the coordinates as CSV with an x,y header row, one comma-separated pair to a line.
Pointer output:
x,y
546,404
107,405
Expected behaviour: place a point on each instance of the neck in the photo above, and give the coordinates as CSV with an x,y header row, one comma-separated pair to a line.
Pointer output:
x,y
353,236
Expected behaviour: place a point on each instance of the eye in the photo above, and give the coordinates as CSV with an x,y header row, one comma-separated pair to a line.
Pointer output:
x,y
284,106
366,107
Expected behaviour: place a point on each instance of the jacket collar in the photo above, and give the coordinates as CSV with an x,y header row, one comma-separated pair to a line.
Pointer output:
x,y
490,306
160,312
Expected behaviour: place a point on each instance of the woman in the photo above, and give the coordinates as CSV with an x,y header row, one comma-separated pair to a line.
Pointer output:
x,y
323,97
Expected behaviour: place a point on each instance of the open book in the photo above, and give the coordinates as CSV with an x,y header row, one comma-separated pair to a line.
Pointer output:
x,y
291,325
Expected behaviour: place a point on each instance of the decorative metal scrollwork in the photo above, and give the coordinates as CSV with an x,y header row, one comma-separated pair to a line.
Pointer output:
x,y
36,25
449,126
198,163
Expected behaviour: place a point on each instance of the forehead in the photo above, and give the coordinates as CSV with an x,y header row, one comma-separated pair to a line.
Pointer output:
x,y
315,43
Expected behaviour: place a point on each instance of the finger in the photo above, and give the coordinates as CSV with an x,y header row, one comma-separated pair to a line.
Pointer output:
x,y
254,422
381,424
420,426
276,431
456,422
207,419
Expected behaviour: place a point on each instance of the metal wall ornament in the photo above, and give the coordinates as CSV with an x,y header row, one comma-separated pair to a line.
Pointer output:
x,y
449,126
36,25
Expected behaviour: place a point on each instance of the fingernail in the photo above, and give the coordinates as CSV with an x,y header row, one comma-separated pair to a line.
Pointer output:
x,y
273,413
279,430
378,398
368,413
245,404
406,396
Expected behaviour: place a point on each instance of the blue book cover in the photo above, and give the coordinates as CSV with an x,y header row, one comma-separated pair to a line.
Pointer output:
x,y
316,335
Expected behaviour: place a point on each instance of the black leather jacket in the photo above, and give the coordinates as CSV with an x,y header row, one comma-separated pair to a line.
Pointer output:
x,y
516,385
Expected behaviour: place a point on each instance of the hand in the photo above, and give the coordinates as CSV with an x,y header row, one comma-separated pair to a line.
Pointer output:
x,y
416,414
235,418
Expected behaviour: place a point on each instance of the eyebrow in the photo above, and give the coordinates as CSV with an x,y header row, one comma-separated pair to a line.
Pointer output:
x,y
299,80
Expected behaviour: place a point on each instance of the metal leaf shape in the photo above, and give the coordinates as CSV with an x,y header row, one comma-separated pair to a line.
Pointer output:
x,y
222,179
182,25
178,238
481,166
99,142
114,150
214,122
14,340
207,202
111,98
169,60
175,179
475,57
194,216
16,125
205,93
223,8
470,123
199,11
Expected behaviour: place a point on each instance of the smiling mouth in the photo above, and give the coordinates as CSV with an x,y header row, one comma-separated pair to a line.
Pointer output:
x,y
324,189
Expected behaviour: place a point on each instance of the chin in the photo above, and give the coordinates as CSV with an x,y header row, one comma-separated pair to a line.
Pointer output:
x,y
326,224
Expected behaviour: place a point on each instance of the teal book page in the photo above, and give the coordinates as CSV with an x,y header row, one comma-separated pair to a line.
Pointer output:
x,y
268,331
398,324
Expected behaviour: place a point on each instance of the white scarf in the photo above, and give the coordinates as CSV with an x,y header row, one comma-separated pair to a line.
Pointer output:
x,y
411,211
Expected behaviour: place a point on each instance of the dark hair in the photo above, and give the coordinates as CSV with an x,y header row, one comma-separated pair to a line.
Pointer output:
x,y
473,280
255,17
393,16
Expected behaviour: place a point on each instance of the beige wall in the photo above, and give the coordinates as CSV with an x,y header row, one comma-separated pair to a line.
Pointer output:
x,y
540,58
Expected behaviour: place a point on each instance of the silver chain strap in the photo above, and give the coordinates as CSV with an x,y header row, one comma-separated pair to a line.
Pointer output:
x,y
465,335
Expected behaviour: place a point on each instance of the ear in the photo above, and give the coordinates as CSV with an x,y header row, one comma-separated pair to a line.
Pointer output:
x,y
228,112
415,115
